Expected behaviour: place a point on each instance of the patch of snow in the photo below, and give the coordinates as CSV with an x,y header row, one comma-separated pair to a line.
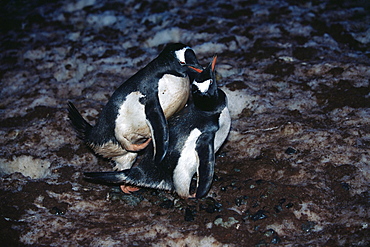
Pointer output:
x,y
27,165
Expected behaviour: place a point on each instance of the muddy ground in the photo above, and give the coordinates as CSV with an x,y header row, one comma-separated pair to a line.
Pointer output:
x,y
294,171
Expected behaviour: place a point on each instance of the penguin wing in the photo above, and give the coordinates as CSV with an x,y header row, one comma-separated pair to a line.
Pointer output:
x,y
157,123
205,150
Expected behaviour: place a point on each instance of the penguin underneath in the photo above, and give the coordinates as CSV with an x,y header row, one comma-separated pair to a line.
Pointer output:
x,y
137,111
196,134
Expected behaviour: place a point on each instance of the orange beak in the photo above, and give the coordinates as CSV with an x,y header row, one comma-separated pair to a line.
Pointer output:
x,y
196,69
214,62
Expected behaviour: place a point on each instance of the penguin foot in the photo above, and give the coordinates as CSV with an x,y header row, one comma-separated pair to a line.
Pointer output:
x,y
138,147
127,189
192,196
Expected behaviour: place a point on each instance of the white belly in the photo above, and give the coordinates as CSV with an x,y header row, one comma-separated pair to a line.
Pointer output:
x,y
224,123
131,126
173,93
187,165
131,121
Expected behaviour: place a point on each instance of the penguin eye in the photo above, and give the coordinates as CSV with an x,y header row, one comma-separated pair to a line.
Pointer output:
x,y
181,62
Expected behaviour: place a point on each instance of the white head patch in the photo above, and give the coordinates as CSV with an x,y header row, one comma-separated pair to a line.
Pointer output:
x,y
203,86
180,54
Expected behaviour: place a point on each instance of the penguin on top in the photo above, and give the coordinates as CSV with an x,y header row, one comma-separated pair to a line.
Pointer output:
x,y
137,112
196,134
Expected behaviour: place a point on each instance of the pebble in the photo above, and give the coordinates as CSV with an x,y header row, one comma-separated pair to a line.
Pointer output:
x,y
269,233
259,215
290,150
289,205
307,226
278,208
210,205
275,240
241,200
167,204
189,214
345,186
57,211
227,224
130,200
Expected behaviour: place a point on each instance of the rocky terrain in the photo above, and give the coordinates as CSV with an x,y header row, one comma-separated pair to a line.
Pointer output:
x,y
294,171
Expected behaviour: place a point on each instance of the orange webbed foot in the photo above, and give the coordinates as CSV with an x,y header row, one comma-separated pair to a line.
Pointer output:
x,y
127,189
138,147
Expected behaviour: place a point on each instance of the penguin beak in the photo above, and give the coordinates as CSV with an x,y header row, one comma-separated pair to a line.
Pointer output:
x,y
213,64
199,70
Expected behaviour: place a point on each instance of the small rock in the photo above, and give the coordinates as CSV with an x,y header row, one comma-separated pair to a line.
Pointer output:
x,y
260,181
211,205
282,200
269,233
278,208
227,224
189,214
131,200
259,215
289,205
218,221
308,226
263,196
275,240
216,178
209,225
290,150
57,211
345,186
167,204
241,200
247,215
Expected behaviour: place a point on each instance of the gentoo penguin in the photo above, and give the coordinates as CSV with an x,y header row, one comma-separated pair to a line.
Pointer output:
x,y
137,111
196,133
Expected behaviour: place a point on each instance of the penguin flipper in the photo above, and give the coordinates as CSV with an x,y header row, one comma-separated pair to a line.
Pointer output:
x,y
150,176
206,154
78,122
157,123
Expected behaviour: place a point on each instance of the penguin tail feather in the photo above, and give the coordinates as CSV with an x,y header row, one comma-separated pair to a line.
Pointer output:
x,y
79,123
117,177
129,176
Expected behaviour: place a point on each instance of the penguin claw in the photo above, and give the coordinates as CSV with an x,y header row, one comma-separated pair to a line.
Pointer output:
x,y
127,189
138,147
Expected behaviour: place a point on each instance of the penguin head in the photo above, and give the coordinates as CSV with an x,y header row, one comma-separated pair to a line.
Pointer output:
x,y
204,87
183,55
